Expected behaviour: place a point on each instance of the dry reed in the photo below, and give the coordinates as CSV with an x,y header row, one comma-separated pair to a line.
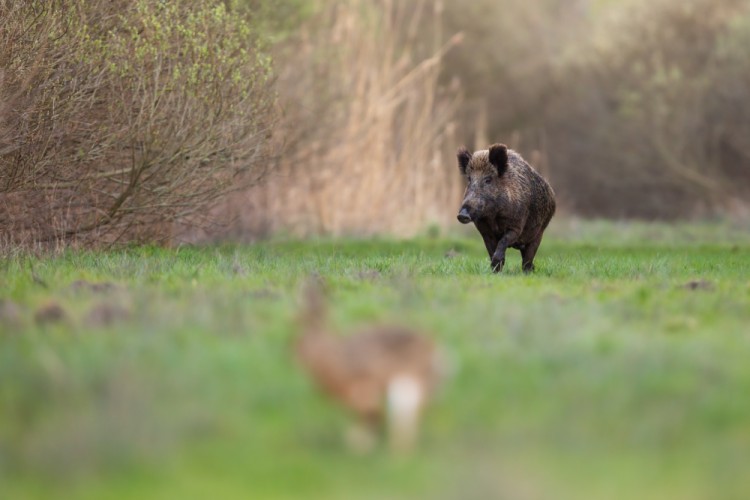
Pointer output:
x,y
368,130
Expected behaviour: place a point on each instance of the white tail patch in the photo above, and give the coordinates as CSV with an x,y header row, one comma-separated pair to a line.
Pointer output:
x,y
405,397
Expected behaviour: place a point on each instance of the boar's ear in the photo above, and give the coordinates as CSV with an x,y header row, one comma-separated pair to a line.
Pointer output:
x,y
464,156
499,157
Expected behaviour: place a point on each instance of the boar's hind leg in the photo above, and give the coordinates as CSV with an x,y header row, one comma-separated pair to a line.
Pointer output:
x,y
498,258
528,252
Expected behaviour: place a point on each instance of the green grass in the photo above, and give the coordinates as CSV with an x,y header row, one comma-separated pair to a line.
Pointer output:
x,y
599,376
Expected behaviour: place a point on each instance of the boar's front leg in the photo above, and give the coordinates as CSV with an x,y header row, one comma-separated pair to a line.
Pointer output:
x,y
488,235
490,242
498,258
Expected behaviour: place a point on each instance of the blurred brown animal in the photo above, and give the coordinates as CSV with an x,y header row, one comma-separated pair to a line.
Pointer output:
x,y
508,202
384,375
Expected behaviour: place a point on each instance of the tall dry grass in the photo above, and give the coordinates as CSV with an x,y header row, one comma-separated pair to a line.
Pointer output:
x,y
368,130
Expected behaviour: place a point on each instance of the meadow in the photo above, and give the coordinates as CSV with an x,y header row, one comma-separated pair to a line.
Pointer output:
x,y
619,369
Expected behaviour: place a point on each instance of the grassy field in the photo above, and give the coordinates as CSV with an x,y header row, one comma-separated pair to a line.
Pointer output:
x,y
604,375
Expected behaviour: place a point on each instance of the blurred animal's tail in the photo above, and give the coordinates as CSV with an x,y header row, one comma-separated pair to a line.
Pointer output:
x,y
404,399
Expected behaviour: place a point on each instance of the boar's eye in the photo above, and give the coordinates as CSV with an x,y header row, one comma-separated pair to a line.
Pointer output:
x,y
488,180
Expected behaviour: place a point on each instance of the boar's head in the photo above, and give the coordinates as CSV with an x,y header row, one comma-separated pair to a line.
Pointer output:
x,y
483,171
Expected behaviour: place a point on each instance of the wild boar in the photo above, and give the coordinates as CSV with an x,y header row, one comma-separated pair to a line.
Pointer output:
x,y
508,202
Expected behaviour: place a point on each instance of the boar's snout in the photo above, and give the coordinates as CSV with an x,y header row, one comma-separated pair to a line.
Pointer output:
x,y
464,217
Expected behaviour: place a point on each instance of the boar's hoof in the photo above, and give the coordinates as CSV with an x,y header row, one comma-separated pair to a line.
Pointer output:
x,y
497,264
528,267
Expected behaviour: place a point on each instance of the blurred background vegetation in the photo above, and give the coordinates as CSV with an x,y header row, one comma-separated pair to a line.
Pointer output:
x,y
202,119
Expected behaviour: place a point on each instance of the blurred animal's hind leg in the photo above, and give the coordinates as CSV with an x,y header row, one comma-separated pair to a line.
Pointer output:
x,y
528,252
361,436
404,403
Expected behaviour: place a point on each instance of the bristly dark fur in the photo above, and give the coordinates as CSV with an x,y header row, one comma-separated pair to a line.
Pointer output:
x,y
511,209
464,156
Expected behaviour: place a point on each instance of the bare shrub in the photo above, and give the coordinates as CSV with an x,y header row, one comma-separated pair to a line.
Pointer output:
x,y
368,131
118,119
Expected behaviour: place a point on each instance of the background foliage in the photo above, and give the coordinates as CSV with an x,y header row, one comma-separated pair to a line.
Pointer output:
x,y
633,108
121,118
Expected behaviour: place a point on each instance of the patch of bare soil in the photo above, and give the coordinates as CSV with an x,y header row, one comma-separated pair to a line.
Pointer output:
x,y
698,285
50,313
368,275
107,314
264,294
452,253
